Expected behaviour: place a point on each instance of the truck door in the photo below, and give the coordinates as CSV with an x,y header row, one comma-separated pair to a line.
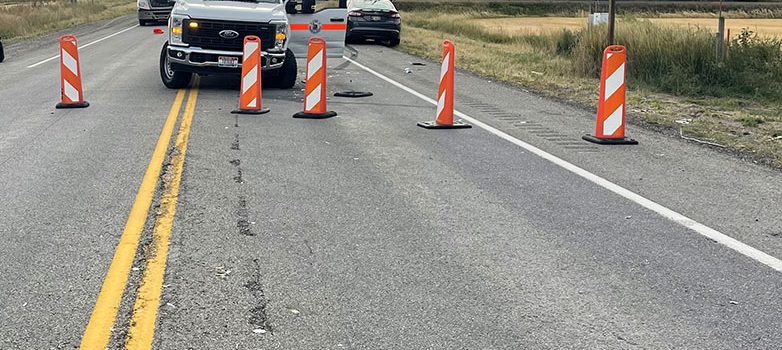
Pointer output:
x,y
329,24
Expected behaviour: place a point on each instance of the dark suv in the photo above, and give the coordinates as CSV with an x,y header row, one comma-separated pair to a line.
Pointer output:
x,y
373,19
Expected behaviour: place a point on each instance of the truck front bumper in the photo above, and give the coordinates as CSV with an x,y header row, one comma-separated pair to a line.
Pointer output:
x,y
155,14
198,60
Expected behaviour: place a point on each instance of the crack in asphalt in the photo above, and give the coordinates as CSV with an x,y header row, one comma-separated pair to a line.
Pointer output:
x,y
258,315
242,211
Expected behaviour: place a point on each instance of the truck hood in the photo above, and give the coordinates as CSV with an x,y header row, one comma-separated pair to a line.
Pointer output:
x,y
230,10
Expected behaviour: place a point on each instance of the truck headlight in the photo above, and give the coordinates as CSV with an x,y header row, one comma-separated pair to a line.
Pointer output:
x,y
280,36
175,25
144,5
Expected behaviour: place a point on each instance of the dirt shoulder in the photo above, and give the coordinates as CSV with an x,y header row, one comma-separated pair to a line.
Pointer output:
x,y
749,129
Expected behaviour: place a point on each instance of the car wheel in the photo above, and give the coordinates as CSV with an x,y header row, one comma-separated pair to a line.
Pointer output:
x,y
286,77
394,42
172,79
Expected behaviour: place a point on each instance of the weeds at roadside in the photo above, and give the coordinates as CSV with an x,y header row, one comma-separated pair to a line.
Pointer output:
x,y
28,20
672,72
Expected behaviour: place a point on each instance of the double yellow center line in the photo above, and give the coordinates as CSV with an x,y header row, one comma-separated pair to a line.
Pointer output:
x,y
142,325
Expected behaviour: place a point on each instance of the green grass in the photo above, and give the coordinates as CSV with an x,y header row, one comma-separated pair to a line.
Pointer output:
x,y
681,61
33,19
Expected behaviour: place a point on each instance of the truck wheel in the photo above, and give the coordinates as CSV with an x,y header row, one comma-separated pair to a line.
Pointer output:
x,y
286,78
142,23
171,78
2,55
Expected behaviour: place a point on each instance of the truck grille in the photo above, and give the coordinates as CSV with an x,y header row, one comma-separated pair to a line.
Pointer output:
x,y
207,35
162,3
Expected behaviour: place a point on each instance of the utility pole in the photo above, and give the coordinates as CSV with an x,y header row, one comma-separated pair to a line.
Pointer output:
x,y
720,39
611,21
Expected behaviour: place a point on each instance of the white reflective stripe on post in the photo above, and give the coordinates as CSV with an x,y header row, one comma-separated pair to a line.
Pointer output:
x,y
313,98
70,91
70,62
249,79
249,49
441,102
614,121
445,66
314,65
615,81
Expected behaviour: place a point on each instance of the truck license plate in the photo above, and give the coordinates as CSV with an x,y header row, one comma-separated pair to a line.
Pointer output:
x,y
228,61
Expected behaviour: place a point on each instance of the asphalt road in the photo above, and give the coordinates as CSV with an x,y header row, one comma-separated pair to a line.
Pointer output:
x,y
365,231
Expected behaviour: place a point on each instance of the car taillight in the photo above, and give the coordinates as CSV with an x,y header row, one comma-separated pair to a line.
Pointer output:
x,y
395,15
355,14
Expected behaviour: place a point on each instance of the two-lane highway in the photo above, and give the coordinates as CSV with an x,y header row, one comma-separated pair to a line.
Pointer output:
x,y
200,229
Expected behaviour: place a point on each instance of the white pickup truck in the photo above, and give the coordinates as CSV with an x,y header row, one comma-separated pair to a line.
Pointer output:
x,y
205,37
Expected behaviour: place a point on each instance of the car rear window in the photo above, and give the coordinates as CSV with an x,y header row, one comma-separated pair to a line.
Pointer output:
x,y
372,5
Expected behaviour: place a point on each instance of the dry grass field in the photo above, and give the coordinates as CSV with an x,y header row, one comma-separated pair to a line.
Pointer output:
x,y
27,19
527,25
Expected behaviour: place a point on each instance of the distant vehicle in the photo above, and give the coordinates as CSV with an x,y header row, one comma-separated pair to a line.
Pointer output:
x,y
150,11
206,37
374,19
2,55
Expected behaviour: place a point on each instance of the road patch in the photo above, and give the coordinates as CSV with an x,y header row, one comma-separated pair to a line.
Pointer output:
x,y
142,324
98,331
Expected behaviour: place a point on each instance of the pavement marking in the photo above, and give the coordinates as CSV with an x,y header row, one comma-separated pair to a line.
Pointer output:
x,y
142,323
83,46
98,331
691,224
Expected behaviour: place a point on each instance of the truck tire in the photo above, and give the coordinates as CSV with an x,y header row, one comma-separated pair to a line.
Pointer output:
x,y
142,23
286,77
172,79
2,54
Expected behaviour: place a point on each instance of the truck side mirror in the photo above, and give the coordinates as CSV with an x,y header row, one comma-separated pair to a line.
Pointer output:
x,y
308,6
290,7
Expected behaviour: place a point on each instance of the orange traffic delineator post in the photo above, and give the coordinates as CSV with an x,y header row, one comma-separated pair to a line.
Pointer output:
x,y
315,89
610,126
250,99
445,95
72,95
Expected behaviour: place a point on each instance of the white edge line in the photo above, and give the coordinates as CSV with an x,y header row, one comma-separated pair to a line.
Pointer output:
x,y
83,46
691,224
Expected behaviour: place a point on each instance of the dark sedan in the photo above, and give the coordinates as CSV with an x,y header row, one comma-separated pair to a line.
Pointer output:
x,y
377,20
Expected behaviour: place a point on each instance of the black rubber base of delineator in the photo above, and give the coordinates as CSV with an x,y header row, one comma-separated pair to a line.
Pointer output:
x,y
433,125
602,141
354,94
61,105
303,115
251,111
